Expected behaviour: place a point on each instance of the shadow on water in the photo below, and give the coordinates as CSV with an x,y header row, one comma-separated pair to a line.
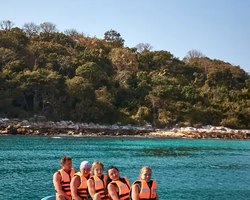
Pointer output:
x,y
185,151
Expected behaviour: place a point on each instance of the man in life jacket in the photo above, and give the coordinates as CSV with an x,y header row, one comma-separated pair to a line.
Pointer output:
x,y
144,188
97,183
62,179
118,188
78,185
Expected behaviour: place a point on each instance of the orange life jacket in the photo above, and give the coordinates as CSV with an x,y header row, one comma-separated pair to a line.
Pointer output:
x,y
146,192
100,185
124,188
65,180
82,189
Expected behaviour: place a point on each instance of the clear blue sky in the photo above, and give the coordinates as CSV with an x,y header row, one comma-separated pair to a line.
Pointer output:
x,y
220,29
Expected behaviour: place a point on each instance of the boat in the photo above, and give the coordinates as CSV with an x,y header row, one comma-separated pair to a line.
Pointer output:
x,y
51,197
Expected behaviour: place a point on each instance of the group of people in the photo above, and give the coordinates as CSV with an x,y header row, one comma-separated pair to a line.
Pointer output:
x,y
91,184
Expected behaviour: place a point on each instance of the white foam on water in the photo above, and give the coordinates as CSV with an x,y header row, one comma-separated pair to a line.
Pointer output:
x,y
56,137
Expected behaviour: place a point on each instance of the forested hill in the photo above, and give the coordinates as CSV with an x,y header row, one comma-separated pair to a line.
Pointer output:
x,y
70,76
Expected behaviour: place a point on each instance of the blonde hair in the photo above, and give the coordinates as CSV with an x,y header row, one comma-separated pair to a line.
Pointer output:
x,y
95,164
144,168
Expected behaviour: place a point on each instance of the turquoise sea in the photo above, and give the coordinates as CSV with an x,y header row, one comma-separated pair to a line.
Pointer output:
x,y
183,168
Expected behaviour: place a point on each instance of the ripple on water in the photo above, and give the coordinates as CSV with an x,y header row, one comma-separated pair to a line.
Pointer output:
x,y
183,169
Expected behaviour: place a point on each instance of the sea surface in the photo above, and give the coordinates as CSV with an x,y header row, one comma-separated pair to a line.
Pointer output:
x,y
182,168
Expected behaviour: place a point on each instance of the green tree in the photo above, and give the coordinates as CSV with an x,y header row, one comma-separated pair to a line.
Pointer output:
x,y
114,39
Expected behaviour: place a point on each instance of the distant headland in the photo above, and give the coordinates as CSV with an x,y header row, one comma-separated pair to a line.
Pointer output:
x,y
71,76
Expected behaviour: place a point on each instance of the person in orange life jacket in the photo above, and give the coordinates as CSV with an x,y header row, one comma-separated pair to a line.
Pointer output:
x,y
62,178
144,188
118,188
97,183
78,185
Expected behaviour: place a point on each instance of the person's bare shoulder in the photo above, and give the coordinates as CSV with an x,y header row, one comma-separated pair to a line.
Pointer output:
x,y
90,181
76,179
111,186
56,173
57,176
75,182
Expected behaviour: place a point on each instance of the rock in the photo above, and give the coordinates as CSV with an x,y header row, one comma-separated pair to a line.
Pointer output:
x,y
58,125
36,132
24,122
63,123
22,131
4,119
4,132
70,132
139,131
18,125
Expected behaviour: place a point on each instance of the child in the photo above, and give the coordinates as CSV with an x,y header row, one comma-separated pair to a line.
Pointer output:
x,y
97,184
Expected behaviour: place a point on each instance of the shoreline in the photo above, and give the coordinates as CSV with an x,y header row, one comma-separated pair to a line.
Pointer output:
x,y
64,128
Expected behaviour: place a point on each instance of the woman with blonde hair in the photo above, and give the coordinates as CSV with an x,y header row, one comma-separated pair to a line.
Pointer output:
x,y
144,188
97,183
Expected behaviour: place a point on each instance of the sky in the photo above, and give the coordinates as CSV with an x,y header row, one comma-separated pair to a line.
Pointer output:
x,y
220,29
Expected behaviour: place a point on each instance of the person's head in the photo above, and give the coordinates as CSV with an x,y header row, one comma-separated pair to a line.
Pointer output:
x,y
97,168
85,168
145,173
66,163
113,173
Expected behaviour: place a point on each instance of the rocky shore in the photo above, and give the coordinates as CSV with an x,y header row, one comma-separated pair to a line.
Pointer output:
x,y
219,133
38,125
